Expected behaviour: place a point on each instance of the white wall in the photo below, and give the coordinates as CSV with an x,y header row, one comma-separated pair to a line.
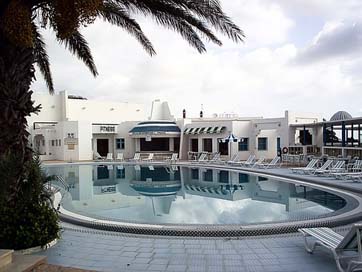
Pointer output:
x,y
104,112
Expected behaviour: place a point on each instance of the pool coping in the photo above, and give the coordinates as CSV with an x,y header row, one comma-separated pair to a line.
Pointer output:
x,y
234,230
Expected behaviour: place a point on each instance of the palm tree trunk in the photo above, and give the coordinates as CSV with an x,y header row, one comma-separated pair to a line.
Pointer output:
x,y
16,75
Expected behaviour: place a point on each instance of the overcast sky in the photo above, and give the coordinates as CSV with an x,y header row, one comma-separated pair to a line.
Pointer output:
x,y
301,55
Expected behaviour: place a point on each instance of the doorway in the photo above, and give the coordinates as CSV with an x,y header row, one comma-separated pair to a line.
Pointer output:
x,y
102,147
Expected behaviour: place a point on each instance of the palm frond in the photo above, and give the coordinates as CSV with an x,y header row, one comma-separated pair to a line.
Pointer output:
x,y
115,15
42,59
211,11
190,11
174,18
79,47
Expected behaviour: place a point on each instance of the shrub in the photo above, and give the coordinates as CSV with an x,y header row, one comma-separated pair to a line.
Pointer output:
x,y
26,217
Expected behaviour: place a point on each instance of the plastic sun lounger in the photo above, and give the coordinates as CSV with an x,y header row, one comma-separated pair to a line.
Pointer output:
x,y
234,159
136,158
347,250
248,162
149,158
310,166
173,159
109,157
120,157
215,158
355,169
338,167
325,166
258,162
98,157
273,164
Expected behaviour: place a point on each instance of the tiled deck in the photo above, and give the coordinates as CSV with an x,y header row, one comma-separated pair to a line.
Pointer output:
x,y
106,251
102,251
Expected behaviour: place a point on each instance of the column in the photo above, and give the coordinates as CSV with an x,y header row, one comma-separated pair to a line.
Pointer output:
x,y
343,134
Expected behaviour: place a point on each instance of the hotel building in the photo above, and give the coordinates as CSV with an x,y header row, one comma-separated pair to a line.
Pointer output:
x,y
71,128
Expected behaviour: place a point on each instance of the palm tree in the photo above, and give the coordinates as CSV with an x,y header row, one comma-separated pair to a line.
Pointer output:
x,y
22,46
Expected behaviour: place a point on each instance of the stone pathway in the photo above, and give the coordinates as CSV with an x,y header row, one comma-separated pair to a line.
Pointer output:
x,y
106,251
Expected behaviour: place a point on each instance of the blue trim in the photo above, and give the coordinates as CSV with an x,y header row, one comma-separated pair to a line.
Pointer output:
x,y
155,129
156,123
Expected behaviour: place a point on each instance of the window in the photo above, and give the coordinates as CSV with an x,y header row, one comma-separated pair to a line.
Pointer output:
x,y
60,142
53,142
243,178
195,145
120,143
278,144
223,148
224,176
263,143
207,145
70,135
121,173
208,175
156,144
194,173
176,144
244,144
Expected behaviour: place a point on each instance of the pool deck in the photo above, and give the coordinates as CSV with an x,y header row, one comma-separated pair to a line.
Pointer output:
x,y
109,251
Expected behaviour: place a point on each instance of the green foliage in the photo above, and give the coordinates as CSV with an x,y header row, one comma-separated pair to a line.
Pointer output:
x,y
30,220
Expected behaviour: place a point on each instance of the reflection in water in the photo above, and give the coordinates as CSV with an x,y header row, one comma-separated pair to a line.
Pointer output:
x,y
171,194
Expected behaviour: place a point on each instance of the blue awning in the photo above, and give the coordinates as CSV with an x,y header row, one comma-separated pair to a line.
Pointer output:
x,y
155,127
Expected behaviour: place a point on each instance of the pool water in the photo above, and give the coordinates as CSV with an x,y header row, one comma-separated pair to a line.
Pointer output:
x,y
188,195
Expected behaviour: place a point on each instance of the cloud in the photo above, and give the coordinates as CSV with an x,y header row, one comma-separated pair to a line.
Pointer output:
x,y
258,78
336,39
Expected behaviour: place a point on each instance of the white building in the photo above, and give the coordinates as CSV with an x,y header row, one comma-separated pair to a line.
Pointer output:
x,y
73,128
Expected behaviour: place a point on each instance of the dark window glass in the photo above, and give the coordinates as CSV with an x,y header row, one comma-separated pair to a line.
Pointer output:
x,y
263,143
224,176
278,144
207,145
195,145
262,179
194,173
176,144
120,143
208,175
223,148
243,178
157,174
156,144
244,144
121,173
102,172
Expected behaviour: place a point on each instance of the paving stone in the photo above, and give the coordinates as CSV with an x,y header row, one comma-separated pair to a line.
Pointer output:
x,y
176,268
157,267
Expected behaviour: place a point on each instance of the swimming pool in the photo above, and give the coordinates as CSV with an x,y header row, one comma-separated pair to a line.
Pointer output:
x,y
179,195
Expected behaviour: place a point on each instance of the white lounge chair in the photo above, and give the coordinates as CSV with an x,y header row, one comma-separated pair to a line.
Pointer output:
x,y
173,159
248,162
215,158
202,158
120,157
149,158
347,250
234,159
338,167
136,158
109,157
260,161
97,156
310,166
325,166
273,164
